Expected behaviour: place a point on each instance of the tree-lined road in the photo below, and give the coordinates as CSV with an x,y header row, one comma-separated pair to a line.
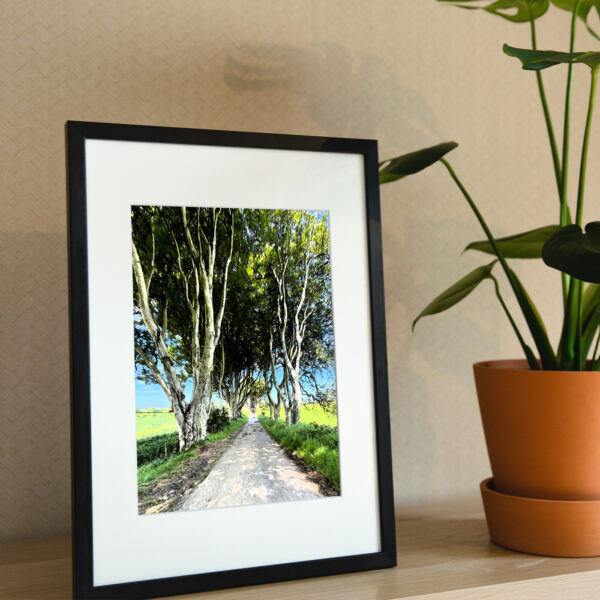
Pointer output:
x,y
235,303
254,470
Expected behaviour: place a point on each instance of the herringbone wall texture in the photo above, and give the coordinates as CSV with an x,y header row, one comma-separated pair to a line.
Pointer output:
x,y
410,73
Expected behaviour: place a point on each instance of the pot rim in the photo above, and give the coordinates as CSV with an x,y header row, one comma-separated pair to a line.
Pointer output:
x,y
487,488
515,365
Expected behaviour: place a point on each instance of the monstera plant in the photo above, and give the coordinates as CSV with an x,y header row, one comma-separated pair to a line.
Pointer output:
x,y
564,245
540,414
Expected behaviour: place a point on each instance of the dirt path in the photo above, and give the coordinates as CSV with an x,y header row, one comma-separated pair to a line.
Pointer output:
x,y
254,470
163,494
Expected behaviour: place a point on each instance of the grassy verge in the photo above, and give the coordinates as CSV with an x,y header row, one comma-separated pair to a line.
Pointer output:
x,y
316,445
158,447
309,413
164,467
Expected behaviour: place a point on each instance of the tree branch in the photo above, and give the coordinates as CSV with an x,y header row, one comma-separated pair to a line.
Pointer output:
x,y
188,237
225,277
152,262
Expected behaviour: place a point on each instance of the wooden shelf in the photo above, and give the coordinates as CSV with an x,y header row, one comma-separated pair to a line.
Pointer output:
x,y
443,552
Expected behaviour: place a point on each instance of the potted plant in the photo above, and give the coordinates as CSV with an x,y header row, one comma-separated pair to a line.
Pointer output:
x,y
541,413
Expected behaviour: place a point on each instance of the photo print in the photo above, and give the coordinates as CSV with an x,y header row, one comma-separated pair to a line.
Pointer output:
x,y
234,357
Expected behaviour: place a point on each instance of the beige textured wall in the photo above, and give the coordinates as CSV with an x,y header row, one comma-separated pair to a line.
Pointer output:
x,y
410,73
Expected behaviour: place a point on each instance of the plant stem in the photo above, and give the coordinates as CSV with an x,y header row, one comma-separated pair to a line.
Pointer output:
x,y
564,208
547,117
570,339
534,322
586,143
478,215
579,355
570,348
595,352
533,363
566,347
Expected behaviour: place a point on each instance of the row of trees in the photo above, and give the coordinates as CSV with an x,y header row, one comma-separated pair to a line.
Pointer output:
x,y
237,302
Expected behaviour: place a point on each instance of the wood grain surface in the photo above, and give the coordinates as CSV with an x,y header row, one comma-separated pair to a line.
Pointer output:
x,y
443,552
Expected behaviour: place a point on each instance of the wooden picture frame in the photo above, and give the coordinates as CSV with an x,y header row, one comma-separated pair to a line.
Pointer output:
x,y
111,170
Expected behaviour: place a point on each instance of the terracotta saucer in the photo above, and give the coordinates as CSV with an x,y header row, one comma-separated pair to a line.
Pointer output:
x,y
547,527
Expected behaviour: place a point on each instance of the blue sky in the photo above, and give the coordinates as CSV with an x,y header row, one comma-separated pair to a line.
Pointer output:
x,y
152,396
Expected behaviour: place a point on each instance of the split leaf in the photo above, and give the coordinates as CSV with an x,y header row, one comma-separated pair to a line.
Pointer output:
x,y
576,253
517,11
585,8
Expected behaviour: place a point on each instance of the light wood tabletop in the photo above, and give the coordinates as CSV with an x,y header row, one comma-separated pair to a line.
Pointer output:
x,y
443,552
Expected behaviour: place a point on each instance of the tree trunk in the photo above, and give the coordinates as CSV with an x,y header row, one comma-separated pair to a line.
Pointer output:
x,y
189,433
203,420
296,402
201,402
204,412
292,350
170,382
203,361
191,419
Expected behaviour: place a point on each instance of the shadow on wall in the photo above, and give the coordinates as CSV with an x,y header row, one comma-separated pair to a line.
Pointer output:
x,y
418,360
357,94
34,428
346,93
416,275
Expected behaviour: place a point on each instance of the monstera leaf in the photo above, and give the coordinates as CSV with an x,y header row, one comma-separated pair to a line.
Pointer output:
x,y
522,245
407,164
576,253
585,8
535,60
518,11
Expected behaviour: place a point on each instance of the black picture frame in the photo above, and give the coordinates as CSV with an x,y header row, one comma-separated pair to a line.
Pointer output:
x,y
77,136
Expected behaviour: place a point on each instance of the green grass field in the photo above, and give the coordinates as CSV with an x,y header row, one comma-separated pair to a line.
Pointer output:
x,y
313,413
316,445
148,424
158,421
309,413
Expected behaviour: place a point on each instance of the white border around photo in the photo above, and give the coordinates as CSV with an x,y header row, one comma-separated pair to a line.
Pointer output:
x,y
130,547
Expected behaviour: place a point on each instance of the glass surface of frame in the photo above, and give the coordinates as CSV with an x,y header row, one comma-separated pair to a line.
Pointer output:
x,y
236,274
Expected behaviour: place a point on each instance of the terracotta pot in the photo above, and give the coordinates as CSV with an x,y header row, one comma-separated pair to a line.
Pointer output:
x,y
542,430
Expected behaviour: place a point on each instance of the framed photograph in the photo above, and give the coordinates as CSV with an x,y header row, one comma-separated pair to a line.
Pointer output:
x,y
230,418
